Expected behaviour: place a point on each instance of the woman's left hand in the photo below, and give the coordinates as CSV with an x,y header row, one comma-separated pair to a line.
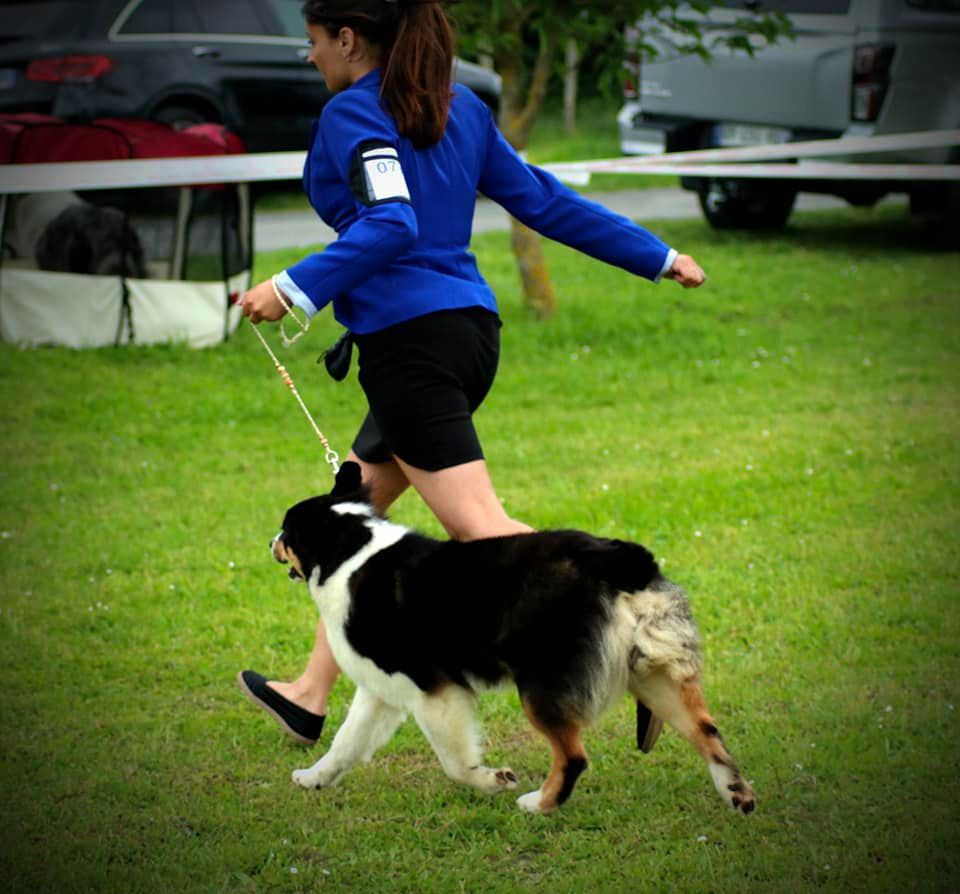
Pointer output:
x,y
687,272
261,303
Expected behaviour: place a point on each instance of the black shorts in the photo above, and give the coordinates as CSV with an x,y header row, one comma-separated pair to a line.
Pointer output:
x,y
423,379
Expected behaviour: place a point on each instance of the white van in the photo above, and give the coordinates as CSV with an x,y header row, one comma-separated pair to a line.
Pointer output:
x,y
854,67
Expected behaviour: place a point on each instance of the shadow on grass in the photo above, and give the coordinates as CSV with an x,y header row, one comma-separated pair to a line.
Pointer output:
x,y
864,232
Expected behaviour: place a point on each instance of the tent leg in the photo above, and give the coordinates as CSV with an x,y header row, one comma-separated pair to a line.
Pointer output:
x,y
179,260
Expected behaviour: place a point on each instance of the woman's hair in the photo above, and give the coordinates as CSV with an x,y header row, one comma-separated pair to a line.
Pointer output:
x,y
417,44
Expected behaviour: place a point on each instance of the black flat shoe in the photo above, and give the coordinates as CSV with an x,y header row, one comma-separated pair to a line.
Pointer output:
x,y
302,725
649,727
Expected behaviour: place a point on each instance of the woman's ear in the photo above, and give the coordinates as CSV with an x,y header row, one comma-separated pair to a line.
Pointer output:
x,y
347,42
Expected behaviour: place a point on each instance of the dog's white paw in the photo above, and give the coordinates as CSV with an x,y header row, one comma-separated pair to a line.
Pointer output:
x,y
317,776
495,781
532,802
506,779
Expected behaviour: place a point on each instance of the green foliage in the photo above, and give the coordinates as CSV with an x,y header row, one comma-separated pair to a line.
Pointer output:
x,y
603,30
786,441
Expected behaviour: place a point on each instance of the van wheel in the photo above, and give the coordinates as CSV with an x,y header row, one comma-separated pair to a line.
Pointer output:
x,y
946,223
746,204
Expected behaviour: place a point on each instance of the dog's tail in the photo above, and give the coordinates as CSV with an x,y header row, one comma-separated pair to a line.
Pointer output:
x,y
665,636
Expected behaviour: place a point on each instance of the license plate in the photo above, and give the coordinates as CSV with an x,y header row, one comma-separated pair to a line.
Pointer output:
x,y
8,78
749,135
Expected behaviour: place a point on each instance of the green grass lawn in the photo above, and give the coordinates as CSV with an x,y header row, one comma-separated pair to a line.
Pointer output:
x,y
784,439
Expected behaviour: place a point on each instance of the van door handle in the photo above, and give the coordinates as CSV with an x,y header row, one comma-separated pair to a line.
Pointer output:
x,y
206,53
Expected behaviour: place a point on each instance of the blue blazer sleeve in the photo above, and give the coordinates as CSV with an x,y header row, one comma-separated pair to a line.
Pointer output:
x,y
537,199
381,232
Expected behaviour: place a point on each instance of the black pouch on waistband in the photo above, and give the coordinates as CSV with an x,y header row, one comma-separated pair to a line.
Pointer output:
x,y
337,357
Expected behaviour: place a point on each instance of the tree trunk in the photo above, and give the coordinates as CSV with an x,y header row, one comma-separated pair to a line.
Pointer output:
x,y
570,75
534,275
519,106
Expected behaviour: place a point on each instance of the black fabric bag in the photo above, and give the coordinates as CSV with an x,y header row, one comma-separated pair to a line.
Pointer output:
x,y
337,357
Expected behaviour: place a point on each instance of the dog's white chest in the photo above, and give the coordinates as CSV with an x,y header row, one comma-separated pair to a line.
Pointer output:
x,y
333,600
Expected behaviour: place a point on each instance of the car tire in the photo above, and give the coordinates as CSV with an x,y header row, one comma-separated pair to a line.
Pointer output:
x,y
179,116
746,204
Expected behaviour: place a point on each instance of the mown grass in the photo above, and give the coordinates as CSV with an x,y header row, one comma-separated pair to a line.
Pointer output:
x,y
785,440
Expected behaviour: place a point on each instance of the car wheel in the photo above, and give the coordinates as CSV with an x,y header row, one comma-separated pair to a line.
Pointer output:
x,y
746,204
180,116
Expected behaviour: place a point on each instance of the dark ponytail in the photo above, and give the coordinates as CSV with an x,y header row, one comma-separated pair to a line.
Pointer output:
x,y
418,47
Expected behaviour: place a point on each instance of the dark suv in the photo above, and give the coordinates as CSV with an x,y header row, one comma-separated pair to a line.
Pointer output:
x,y
181,62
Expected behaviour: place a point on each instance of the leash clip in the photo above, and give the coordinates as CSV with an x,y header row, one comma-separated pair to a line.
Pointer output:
x,y
333,460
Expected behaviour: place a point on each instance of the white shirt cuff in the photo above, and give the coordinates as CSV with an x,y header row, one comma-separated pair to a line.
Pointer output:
x,y
667,264
295,294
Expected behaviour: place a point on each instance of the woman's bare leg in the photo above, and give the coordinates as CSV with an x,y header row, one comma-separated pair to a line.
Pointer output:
x,y
464,501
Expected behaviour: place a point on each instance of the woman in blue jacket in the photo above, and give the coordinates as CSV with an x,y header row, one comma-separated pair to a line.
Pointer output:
x,y
395,163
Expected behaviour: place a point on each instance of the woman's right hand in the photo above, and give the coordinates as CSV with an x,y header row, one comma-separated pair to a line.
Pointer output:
x,y
262,303
687,272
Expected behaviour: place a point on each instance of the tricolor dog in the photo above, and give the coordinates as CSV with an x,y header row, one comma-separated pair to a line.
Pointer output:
x,y
421,626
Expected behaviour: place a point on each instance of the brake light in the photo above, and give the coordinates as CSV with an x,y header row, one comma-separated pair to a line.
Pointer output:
x,y
69,69
871,78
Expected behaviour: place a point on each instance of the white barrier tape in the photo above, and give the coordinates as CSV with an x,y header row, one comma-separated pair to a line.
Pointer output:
x,y
864,145
136,172
147,172
801,171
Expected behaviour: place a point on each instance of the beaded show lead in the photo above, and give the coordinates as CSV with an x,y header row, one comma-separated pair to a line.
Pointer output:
x,y
288,306
330,455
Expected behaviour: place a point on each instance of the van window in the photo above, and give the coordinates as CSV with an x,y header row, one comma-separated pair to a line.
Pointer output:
x,y
798,7
935,5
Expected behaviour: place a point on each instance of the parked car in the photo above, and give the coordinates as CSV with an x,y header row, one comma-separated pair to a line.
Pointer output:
x,y
181,62
855,67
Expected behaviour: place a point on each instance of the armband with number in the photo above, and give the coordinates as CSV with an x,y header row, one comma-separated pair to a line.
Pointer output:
x,y
376,175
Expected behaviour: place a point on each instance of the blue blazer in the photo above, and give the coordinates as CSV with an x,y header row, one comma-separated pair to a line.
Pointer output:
x,y
404,215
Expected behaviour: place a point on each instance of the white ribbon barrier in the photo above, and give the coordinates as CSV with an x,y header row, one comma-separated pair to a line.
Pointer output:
x,y
800,171
272,166
730,162
857,145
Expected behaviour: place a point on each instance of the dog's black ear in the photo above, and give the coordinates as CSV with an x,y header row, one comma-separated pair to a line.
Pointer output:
x,y
348,480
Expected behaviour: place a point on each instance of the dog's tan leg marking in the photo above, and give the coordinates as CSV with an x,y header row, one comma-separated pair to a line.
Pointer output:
x,y
448,721
682,706
569,761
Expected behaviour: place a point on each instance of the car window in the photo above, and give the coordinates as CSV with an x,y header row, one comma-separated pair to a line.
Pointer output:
x,y
228,16
41,18
288,16
194,17
150,17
